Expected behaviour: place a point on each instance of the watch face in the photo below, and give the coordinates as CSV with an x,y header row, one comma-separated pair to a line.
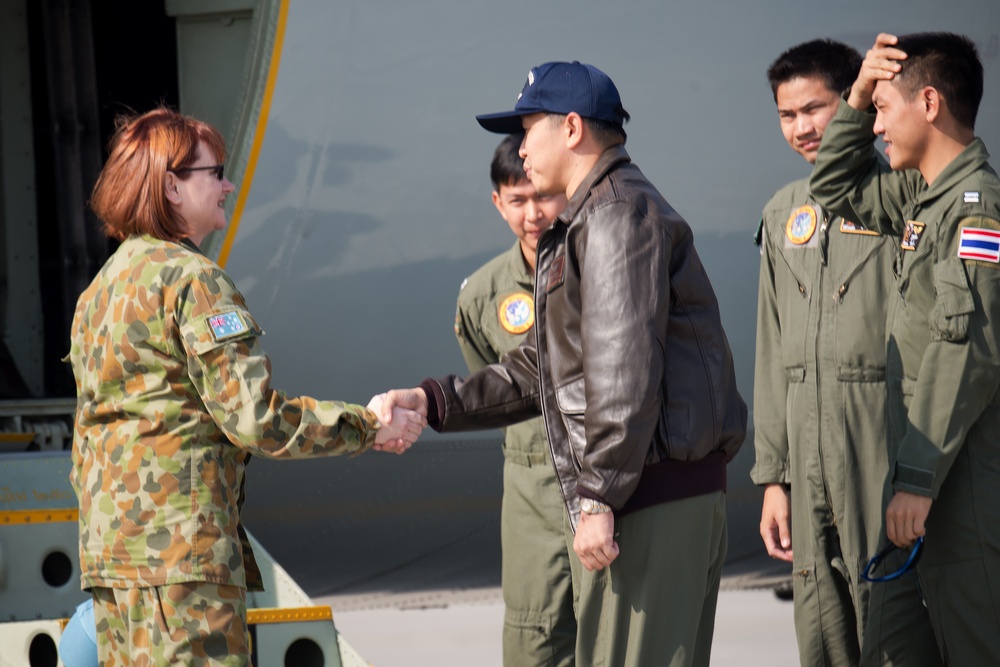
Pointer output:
x,y
591,506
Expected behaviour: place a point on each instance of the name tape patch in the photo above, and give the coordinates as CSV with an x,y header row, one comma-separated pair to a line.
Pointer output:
x,y
227,325
971,197
980,244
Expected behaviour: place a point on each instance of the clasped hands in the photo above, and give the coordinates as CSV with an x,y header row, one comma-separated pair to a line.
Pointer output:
x,y
403,416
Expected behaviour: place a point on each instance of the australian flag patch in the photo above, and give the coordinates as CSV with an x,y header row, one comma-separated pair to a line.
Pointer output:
x,y
227,325
979,244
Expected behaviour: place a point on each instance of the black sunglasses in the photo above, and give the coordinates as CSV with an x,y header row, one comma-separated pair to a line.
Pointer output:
x,y
910,563
218,169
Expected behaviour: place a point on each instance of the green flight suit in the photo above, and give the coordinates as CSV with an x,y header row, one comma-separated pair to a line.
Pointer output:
x,y
495,312
943,366
819,411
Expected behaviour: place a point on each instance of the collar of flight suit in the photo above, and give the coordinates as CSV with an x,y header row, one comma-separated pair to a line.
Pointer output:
x,y
972,158
518,268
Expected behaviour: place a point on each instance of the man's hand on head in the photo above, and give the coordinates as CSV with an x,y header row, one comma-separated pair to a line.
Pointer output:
x,y
881,63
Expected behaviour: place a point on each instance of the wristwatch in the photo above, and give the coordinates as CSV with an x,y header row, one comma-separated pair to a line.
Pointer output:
x,y
591,506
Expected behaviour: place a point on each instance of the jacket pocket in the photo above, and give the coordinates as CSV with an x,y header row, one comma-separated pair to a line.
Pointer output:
x,y
571,399
953,303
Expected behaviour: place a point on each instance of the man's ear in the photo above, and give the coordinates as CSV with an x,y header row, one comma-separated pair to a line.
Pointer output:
x,y
499,204
171,188
573,128
932,101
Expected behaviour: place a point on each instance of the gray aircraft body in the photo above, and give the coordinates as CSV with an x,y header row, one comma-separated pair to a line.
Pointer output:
x,y
363,202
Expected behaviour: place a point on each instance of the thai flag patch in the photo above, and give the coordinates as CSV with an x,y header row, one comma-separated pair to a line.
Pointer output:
x,y
979,244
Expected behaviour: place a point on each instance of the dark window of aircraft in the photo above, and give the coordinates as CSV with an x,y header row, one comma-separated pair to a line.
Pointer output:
x,y
90,61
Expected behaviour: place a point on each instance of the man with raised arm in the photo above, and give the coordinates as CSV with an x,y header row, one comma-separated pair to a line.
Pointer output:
x,y
943,198
819,387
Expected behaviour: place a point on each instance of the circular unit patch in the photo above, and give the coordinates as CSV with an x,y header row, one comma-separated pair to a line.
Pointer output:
x,y
517,313
801,225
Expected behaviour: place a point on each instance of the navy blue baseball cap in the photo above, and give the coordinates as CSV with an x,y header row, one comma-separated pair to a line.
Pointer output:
x,y
561,88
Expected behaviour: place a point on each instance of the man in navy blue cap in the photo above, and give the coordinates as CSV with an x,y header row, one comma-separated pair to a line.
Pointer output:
x,y
632,373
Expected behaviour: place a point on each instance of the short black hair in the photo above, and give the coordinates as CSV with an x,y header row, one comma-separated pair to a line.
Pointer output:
x,y
605,133
836,63
507,167
948,62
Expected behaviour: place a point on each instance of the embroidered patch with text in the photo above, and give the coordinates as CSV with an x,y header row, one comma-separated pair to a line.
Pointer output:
x,y
979,244
517,313
227,325
555,277
911,235
849,227
970,197
801,224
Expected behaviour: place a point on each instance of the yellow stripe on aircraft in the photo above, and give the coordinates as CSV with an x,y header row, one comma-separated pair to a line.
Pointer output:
x,y
21,517
258,139
289,614
17,437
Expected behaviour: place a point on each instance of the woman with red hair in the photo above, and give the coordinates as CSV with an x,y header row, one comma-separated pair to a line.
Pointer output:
x,y
173,396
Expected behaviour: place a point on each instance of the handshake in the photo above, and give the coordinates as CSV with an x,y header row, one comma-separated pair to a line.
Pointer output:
x,y
402,414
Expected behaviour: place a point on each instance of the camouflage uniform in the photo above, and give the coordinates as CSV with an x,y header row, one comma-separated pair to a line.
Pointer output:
x,y
178,624
173,396
495,313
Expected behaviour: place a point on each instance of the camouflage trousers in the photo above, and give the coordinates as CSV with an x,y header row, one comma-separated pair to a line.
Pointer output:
x,y
193,623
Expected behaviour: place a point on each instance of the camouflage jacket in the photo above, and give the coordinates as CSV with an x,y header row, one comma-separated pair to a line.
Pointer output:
x,y
173,396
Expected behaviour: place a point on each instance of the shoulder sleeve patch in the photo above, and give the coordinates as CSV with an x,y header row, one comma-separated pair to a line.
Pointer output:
x,y
227,325
218,329
979,241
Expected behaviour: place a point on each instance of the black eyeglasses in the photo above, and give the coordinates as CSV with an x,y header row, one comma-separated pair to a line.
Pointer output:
x,y
219,170
877,559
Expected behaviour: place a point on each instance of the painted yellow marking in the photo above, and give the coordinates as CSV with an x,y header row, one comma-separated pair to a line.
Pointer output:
x,y
289,614
20,517
17,437
258,139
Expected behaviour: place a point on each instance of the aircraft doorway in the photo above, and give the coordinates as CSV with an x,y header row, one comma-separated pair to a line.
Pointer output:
x,y
68,68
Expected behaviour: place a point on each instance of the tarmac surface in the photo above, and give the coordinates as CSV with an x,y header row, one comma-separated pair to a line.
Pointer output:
x,y
753,628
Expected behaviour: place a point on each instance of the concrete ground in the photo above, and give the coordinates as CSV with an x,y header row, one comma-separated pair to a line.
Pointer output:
x,y
753,628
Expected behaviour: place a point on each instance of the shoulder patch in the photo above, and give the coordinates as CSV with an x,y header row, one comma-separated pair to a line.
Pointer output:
x,y
970,197
801,225
979,241
464,283
850,227
517,313
227,325
911,235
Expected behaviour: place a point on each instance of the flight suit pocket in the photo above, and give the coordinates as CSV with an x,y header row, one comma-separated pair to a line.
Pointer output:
x,y
953,303
795,374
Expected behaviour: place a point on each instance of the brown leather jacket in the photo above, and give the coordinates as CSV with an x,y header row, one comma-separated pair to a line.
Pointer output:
x,y
630,366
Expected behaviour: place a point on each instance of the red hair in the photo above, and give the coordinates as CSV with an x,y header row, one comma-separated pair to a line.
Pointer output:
x,y
130,196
